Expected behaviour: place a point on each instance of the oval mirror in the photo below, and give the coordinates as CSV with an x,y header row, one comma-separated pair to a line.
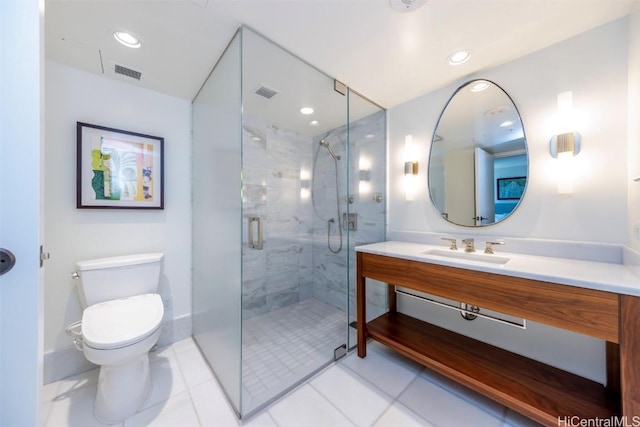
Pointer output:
x,y
478,163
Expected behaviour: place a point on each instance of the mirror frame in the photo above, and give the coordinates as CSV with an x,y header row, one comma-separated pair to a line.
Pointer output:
x,y
526,152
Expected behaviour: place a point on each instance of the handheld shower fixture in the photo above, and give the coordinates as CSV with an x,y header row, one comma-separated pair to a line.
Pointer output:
x,y
328,147
330,221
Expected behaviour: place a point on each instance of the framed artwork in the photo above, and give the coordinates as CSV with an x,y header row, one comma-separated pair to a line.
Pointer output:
x,y
117,169
510,188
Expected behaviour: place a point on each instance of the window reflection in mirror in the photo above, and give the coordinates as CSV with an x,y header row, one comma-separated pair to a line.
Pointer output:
x,y
478,162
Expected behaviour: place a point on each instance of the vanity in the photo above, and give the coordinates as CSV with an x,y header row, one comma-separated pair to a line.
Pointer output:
x,y
596,299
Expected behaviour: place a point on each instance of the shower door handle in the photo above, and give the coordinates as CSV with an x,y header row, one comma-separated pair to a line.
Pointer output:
x,y
260,243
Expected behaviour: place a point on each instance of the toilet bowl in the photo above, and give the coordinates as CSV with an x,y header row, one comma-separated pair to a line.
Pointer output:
x,y
117,333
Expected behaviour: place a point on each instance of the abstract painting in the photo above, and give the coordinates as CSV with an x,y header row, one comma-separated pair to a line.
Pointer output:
x,y
118,169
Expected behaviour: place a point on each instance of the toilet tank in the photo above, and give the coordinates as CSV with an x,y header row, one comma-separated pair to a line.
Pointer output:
x,y
106,279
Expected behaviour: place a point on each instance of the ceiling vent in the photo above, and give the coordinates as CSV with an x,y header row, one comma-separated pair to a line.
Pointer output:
x,y
265,92
124,71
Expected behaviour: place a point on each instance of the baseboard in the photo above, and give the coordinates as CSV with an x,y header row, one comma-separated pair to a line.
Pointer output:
x,y
65,362
178,329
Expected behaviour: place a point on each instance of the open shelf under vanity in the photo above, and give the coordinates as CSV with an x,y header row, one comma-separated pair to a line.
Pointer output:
x,y
539,391
532,388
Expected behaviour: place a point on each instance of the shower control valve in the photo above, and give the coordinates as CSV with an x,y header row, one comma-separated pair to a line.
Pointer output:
x,y
350,221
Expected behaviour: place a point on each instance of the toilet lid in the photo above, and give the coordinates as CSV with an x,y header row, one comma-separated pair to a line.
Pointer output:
x,y
121,322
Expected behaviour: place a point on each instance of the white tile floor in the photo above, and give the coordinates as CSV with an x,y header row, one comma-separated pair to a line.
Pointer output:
x,y
269,365
384,389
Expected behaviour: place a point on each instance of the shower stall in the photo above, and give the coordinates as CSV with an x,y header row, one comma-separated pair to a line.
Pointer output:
x,y
281,195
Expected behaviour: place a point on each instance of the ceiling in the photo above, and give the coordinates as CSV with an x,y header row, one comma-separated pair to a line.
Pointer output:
x,y
388,56
485,118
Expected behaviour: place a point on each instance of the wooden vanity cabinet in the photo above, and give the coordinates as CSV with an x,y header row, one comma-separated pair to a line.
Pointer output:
x,y
536,390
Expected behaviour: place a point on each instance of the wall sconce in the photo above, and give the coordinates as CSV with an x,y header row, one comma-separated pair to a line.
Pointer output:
x,y
410,169
364,175
566,144
305,183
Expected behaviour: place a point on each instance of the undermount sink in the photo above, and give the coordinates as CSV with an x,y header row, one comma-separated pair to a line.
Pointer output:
x,y
467,256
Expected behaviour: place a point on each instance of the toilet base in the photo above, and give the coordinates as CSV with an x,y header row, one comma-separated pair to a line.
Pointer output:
x,y
122,389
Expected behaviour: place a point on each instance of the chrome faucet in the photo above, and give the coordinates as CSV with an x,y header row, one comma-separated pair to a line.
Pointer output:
x,y
489,248
453,246
469,245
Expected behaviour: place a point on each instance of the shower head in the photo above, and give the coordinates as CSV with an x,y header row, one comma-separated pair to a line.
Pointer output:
x,y
325,144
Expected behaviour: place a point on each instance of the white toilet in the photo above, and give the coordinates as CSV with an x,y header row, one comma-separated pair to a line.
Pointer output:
x,y
120,323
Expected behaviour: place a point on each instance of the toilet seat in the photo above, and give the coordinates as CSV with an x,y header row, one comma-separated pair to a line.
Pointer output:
x,y
122,322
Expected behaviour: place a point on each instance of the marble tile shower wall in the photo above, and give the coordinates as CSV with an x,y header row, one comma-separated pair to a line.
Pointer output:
x,y
357,193
296,263
329,276
275,276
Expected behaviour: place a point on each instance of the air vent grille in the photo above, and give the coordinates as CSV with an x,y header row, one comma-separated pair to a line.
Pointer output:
x,y
266,92
119,69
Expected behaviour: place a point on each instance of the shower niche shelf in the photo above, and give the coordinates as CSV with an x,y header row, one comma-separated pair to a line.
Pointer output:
x,y
534,389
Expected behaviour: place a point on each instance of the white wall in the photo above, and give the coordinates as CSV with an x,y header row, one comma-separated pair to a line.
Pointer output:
x,y
634,127
75,234
594,66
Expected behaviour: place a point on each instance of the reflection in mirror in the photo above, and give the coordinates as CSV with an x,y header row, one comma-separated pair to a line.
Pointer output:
x,y
478,163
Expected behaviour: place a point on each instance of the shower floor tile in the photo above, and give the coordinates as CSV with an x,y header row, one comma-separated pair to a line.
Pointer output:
x,y
283,346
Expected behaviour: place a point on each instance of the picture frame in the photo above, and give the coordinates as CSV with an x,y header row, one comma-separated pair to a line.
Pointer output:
x,y
118,169
511,188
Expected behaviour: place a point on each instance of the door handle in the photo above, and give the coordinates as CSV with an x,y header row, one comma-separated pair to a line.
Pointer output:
x,y
260,243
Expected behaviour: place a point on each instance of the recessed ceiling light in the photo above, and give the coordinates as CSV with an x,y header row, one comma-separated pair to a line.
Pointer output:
x,y
306,110
314,123
406,5
127,39
505,124
458,57
369,135
479,86
256,138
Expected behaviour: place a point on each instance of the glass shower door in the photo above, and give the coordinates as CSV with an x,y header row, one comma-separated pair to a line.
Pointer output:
x,y
367,208
280,197
294,252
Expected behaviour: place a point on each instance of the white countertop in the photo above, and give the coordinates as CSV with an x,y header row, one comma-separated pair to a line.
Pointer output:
x,y
585,274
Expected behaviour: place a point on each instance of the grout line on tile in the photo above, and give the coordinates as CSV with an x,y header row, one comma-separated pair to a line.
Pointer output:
x,y
406,408
265,411
163,403
462,396
384,412
378,388
331,403
194,407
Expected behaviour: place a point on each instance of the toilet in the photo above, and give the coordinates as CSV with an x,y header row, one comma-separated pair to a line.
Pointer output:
x,y
120,324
